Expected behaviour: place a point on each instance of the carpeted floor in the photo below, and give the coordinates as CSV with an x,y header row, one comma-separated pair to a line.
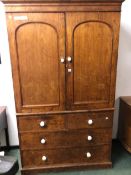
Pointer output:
x,y
120,157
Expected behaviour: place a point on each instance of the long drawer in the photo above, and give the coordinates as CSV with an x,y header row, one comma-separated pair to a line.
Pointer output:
x,y
44,158
79,138
65,121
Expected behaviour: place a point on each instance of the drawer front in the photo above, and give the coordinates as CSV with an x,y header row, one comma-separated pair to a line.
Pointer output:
x,y
90,120
41,123
63,139
44,158
65,121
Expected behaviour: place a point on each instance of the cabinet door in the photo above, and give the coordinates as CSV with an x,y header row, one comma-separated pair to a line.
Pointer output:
x,y
36,47
92,41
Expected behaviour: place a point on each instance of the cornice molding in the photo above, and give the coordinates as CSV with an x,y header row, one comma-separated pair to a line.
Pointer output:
x,y
61,1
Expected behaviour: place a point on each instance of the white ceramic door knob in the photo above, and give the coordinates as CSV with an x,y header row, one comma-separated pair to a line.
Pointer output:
x,y
62,60
69,59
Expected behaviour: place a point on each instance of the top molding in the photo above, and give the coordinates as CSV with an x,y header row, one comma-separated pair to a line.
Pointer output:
x,y
61,1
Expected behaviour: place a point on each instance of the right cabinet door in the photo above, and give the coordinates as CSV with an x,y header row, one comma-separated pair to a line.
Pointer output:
x,y
92,44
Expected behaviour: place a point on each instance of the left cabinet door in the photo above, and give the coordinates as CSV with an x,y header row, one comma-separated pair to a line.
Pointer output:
x,y
37,49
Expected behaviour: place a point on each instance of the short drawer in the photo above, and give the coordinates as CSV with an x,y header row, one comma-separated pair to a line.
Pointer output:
x,y
41,123
90,120
44,158
65,139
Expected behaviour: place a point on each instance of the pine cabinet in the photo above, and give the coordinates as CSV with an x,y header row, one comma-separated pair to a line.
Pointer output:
x,y
64,59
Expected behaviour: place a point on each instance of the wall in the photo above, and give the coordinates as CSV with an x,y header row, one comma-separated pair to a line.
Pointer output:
x,y
123,85
123,82
6,87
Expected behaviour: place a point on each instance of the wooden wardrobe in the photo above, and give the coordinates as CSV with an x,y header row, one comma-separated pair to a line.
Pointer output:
x,y
64,60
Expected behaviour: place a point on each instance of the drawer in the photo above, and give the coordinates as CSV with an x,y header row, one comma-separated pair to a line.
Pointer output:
x,y
90,120
65,121
44,158
41,123
63,139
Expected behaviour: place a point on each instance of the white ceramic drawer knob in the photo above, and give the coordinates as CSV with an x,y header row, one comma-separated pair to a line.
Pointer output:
x,y
90,121
43,141
44,158
89,138
42,123
88,154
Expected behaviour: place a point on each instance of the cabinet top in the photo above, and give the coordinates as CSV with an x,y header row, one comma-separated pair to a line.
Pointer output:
x,y
126,99
55,1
